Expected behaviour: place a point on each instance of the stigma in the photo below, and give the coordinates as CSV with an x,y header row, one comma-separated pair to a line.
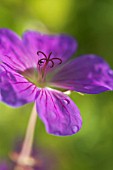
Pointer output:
x,y
45,63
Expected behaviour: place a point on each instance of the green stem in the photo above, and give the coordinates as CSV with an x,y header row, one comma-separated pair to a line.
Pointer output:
x,y
25,154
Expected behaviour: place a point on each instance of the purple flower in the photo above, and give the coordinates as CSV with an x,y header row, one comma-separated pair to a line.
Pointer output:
x,y
38,68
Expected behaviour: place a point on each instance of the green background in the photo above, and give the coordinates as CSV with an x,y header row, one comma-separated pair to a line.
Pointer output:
x,y
91,23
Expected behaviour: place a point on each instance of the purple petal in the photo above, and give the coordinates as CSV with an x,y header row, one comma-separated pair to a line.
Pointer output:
x,y
87,74
59,113
16,91
61,46
13,52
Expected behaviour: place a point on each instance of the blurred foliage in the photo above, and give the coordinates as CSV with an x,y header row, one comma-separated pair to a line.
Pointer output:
x,y
91,22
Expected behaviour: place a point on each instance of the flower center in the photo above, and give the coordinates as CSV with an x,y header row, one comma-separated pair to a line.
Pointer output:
x,y
38,76
44,64
47,59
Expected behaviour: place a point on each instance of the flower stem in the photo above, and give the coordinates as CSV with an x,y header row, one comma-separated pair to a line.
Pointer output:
x,y
25,154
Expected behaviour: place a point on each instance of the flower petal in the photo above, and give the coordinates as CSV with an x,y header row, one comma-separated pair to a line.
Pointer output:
x,y
16,91
12,51
87,74
59,113
61,46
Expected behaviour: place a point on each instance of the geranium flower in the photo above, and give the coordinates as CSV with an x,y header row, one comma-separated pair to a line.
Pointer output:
x,y
37,68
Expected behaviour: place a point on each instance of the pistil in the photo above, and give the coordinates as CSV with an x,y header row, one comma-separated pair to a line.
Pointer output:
x,y
44,64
